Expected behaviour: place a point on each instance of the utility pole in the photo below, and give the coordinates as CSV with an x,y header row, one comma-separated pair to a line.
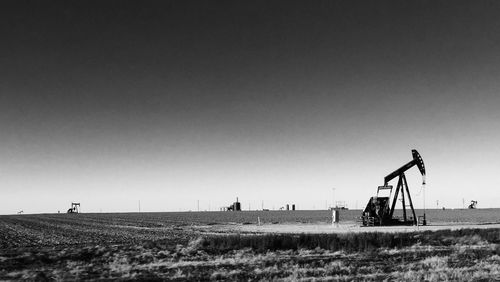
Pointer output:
x,y
139,205
333,197
198,205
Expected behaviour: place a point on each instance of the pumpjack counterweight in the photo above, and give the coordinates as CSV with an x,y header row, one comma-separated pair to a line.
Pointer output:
x,y
380,210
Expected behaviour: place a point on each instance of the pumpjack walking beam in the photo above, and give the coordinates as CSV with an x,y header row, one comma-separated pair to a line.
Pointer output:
x,y
417,160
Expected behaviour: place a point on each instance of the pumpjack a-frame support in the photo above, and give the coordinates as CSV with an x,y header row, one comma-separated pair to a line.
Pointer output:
x,y
403,185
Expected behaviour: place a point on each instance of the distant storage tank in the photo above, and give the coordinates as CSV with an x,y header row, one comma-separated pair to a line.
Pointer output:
x,y
237,205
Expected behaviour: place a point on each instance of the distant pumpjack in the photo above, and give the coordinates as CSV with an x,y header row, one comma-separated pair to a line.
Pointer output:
x,y
473,204
379,212
74,208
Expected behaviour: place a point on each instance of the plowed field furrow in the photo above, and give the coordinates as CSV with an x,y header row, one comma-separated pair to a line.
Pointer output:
x,y
67,232
166,246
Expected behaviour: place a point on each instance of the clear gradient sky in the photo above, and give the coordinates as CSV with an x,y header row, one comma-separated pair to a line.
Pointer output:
x,y
169,102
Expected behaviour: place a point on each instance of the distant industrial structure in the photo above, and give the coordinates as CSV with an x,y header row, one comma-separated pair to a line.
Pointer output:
x,y
236,206
288,207
339,205
75,208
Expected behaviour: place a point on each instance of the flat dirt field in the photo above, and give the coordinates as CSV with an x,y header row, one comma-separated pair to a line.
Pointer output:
x,y
459,245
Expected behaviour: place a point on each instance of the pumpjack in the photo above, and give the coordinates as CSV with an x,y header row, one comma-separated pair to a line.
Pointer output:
x,y
380,210
473,204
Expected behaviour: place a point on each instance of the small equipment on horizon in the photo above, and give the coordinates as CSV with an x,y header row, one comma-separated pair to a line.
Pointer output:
x,y
473,205
74,208
340,205
335,217
380,209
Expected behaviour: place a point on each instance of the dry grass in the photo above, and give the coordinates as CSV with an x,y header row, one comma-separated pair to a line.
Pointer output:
x,y
34,249
458,255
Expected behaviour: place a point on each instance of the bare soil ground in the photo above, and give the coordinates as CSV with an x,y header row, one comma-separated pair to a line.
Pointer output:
x,y
191,246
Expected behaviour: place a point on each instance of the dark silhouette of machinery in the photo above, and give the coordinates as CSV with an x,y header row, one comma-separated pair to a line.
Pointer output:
x,y
380,210
473,204
74,208
236,206
287,207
